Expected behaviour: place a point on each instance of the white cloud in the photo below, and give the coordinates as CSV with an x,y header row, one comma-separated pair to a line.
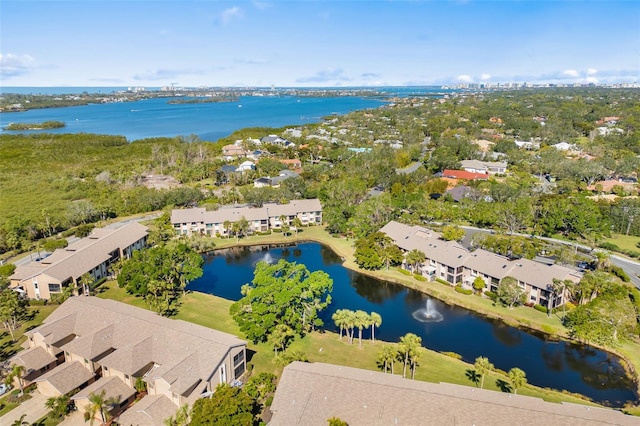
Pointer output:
x,y
485,76
261,5
465,78
592,71
591,80
571,73
14,65
231,13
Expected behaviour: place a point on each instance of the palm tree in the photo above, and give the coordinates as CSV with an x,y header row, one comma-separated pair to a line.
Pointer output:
x,y
340,320
85,281
414,356
98,403
409,344
226,226
17,372
603,259
59,406
21,421
518,378
376,321
482,366
297,223
415,258
362,320
350,323
387,357
565,288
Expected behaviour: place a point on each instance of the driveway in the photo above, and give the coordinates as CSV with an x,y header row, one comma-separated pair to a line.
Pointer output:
x,y
74,419
34,409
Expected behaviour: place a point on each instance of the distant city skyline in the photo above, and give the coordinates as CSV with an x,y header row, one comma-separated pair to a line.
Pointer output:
x,y
317,43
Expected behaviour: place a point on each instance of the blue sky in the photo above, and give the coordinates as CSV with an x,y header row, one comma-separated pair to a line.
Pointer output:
x,y
316,43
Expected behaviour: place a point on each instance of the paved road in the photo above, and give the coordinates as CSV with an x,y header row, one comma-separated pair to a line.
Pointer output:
x,y
33,408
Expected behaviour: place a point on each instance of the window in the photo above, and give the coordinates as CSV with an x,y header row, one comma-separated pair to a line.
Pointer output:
x,y
238,371
238,358
54,288
126,377
105,368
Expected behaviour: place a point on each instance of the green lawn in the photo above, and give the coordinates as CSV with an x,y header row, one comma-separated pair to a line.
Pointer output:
x,y
36,315
625,242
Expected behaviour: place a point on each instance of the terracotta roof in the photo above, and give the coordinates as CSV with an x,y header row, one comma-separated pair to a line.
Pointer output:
x,y
152,410
462,174
66,377
309,394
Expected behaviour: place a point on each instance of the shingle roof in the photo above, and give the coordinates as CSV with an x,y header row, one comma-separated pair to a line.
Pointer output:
x,y
151,410
33,358
139,338
112,386
309,394
83,255
66,377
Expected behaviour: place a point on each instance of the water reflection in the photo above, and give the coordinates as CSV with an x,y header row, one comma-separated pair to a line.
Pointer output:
x,y
554,364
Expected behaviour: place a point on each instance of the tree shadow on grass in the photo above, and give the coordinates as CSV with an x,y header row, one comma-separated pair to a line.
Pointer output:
x,y
503,386
473,376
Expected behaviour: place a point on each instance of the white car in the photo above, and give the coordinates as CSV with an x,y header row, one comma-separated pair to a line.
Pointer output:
x,y
3,389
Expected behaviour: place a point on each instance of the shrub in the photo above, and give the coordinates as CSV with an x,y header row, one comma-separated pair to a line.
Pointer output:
x,y
463,290
452,355
33,302
403,271
445,282
419,277
609,246
619,272
540,308
491,295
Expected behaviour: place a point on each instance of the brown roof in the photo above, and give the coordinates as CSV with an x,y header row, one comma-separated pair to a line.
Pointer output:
x,y
151,410
309,394
67,376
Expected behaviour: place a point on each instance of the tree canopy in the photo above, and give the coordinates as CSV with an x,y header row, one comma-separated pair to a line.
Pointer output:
x,y
282,293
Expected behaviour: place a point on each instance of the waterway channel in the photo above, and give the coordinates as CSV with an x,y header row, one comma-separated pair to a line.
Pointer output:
x,y
547,362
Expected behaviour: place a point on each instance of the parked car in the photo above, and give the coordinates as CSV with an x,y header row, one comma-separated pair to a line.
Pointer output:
x,y
3,389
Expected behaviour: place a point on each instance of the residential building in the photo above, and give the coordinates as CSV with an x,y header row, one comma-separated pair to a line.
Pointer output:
x,y
93,255
450,261
278,141
310,393
261,219
292,164
101,344
464,175
233,151
485,167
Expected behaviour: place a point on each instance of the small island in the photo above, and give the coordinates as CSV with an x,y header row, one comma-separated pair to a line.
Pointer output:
x,y
36,126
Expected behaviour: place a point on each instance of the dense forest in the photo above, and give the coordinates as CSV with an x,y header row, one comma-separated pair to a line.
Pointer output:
x,y
55,182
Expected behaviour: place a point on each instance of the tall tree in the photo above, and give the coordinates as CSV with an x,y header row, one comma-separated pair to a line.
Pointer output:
x,y
518,379
415,258
509,292
409,345
362,320
12,310
228,406
482,366
99,404
280,337
376,321
387,357
17,372
281,293
59,406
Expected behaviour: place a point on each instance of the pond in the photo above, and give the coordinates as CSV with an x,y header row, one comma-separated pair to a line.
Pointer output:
x,y
547,363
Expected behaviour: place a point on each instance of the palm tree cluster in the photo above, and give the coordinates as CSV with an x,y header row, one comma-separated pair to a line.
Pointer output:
x,y
348,320
407,352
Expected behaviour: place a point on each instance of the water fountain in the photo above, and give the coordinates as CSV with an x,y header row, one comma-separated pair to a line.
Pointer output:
x,y
428,313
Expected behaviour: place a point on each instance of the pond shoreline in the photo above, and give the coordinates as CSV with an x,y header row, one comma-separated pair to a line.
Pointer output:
x,y
343,248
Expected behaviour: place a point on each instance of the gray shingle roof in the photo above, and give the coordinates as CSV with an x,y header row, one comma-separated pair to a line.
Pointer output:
x,y
113,387
33,358
309,394
83,255
151,410
67,376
